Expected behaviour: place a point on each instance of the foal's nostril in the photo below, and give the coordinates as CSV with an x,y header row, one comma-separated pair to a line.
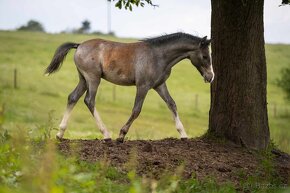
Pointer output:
x,y
208,78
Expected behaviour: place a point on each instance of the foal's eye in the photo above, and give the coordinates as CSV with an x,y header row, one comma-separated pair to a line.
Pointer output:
x,y
204,57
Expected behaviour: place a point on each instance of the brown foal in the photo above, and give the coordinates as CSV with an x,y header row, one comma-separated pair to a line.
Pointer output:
x,y
146,64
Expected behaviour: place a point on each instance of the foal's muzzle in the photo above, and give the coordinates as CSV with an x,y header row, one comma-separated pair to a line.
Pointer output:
x,y
208,77
207,74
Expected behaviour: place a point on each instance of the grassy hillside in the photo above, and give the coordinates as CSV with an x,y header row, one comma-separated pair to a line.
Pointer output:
x,y
38,97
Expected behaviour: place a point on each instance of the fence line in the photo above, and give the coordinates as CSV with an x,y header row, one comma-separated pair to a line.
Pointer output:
x,y
278,110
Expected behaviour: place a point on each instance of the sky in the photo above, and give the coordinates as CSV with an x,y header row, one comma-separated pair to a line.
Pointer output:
x,y
190,16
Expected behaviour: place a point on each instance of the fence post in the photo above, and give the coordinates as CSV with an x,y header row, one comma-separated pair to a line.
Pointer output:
x,y
275,110
15,78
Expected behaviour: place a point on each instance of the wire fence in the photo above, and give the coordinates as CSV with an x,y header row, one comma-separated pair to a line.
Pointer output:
x,y
274,110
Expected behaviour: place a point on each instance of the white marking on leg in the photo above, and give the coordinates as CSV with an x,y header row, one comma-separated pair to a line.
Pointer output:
x,y
179,127
63,124
101,125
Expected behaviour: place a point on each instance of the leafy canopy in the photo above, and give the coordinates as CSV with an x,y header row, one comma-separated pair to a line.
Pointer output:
x,y
128,4
32,25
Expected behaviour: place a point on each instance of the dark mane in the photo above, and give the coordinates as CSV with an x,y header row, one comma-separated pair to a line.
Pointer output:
x,y
171,37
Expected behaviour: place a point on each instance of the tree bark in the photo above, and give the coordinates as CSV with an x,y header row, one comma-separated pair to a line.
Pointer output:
x,y
238,94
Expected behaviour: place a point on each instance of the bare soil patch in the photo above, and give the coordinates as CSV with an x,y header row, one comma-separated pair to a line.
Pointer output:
x,y
201,158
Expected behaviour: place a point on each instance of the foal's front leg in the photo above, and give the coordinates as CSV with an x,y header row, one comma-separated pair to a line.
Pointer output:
x,y
164,94
140,96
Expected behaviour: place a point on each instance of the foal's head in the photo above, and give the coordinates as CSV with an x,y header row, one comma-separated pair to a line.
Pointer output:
x,y
201,59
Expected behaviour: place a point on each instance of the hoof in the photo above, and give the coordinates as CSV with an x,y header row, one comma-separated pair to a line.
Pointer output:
x,y
58,138
120,140
184,138
108,140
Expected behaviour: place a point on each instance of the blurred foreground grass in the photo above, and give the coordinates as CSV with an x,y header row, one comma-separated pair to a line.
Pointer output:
x,y
30,162
38,97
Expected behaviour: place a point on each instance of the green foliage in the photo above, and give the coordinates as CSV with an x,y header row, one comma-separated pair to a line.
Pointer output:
x,y
207,186
265,178
43,131
86,26
32,25
128,4
284,82
10,163
285,2
30,167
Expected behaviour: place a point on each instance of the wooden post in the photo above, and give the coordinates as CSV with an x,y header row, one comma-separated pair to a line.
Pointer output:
x,y
275,110
2,114
15,78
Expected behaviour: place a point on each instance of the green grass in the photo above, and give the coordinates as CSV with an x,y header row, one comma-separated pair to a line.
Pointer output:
x,y
37,96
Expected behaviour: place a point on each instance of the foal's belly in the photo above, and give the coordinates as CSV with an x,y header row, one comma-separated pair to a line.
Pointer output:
x,y
118,73
119,80
118,62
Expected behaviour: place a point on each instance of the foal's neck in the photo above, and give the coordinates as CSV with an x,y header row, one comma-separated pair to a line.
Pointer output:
x,y
176,52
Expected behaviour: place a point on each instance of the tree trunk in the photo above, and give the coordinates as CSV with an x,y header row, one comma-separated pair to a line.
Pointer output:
x,y
238,94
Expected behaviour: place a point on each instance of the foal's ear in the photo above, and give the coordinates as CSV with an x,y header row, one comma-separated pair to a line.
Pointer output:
x,y
204,42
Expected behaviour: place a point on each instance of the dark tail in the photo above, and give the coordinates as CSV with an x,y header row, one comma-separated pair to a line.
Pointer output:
x,y
59,57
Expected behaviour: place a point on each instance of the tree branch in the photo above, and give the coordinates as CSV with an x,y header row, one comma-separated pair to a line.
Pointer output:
x,y
285,2
128,4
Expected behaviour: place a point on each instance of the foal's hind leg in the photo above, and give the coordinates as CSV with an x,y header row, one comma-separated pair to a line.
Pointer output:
x,y
140,96
164,94
92,84
72,100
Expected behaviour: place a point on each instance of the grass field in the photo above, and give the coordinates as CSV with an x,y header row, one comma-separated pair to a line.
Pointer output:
x,y
38,97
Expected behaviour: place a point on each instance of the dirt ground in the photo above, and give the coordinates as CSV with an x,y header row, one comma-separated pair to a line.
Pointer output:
x,y
200,157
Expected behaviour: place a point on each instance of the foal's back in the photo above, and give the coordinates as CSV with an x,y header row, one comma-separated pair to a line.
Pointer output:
x,y
113,61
